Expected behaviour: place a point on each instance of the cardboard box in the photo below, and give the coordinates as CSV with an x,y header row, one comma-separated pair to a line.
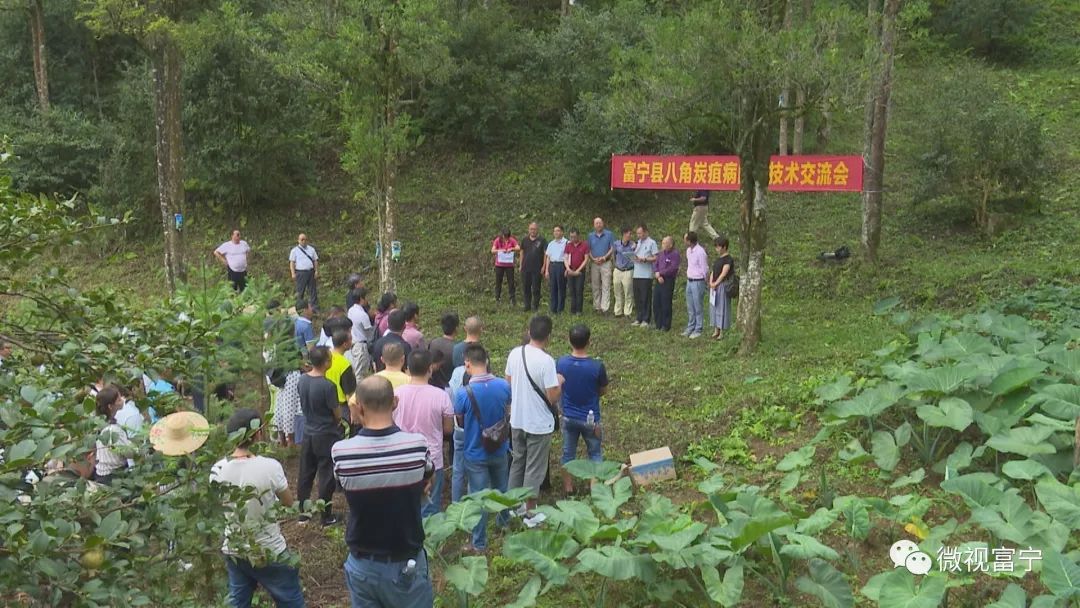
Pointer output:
x,y
652,465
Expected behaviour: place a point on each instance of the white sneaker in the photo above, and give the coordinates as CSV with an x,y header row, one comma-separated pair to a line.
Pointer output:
x,y
635,324
694,335
535,520
685,333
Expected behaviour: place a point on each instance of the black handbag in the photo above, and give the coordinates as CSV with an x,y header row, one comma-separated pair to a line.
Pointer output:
x,y
492,437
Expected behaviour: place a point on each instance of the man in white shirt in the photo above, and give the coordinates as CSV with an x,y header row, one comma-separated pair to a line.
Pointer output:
x,y
535,393
233,253
252,537
304,269
362,334
644,256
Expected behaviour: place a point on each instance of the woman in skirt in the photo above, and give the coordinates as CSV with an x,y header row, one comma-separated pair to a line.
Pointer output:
x,y
719,279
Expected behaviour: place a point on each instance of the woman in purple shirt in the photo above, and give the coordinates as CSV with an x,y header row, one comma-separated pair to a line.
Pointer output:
x,y
665,269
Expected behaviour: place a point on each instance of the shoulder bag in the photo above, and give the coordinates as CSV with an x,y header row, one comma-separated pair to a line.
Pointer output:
x,y
543,396
492,437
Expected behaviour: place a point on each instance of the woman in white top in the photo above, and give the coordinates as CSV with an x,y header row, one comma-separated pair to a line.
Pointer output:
x,y
113,443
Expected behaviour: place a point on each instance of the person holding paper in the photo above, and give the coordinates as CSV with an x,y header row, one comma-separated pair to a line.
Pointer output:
x,y
505,248
719,281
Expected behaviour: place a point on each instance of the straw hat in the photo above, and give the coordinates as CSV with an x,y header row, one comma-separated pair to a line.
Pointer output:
x,y
179,433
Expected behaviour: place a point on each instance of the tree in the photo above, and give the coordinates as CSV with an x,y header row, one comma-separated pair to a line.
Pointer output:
x,y
881,43
720,67
156,27
378,57
41,68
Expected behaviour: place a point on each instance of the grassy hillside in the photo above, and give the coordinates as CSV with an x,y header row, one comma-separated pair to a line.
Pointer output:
x,y
697,397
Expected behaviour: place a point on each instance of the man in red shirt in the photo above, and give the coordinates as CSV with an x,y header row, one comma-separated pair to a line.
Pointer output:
x,y
577,258
505,248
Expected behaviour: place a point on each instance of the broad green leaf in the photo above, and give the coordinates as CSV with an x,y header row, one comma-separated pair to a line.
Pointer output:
x,y
712,485
899,589
961,346
1012,597
974,490
950,412
1025,441
675,536
960,458
587,469
827,584
1060,400
868,403
1047,601
854,453
20,451
886,454
575,515
856,519
1060,574
940,380
511,498
609,498
544,550
1067,363
665,591
110,525
797,459
1015,378
470,576
705,465
903,434
834,391
617,564
802,546
527,596
1061,502
790,481
915,477
727,592
465,514
1025,469
872,588
817,522
886,304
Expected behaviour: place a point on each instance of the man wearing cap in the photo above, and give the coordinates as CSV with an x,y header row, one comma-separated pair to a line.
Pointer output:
x,y
233,253
304,269
383,471
248,522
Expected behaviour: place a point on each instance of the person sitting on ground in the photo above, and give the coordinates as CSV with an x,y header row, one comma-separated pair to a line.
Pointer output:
x,y
303,332
444,344
473,328
479,404
427,410
584,380
322,428
387,304
267,478
383,471
114,448
412,333
395,327
393,358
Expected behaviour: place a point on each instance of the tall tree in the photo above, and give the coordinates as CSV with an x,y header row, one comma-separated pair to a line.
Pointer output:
x,y
378,56
800,98
37,38
723,63
157,28
881,43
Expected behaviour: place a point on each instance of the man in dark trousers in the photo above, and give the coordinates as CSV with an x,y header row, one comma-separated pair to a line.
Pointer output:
x,y
322,428
304,269
533,248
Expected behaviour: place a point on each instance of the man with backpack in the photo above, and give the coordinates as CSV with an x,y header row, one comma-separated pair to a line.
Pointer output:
x,y
481,408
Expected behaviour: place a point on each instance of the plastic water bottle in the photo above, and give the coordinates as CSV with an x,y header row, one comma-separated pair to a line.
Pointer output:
x,y
408,573
590,421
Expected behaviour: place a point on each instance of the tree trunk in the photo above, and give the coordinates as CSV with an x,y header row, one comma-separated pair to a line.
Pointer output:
x,y
824,130
876,119
785,95
754,157
800,121
41,69
388,165
387,281
565,8
170,152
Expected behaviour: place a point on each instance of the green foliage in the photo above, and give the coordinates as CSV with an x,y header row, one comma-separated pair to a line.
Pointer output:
x,y
994,29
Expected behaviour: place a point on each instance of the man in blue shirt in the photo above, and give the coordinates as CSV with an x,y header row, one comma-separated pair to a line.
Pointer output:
x,y
305,335
555,270
624,274
601,250
584,381
481,403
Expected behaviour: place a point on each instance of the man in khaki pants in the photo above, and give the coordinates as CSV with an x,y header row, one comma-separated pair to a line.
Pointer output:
x,y
624,275
601,250
699,218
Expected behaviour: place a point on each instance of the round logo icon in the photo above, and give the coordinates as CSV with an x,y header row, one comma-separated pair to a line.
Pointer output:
x,y
900,550
917,563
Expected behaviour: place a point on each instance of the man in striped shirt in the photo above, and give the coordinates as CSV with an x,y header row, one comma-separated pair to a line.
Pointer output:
x,y
384,472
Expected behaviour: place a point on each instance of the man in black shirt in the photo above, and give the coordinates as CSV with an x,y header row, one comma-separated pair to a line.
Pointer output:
x,y
322,428
395,324
383,471
533,248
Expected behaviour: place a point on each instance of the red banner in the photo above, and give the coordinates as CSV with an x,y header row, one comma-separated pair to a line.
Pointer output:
x,y
786,173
